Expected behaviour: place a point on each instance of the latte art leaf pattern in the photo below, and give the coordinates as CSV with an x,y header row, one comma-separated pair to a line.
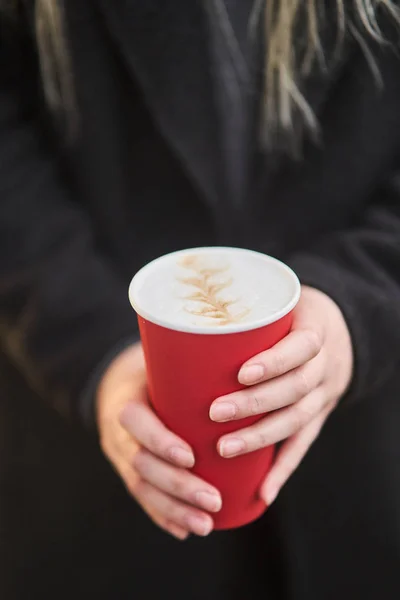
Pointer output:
x,y
206,298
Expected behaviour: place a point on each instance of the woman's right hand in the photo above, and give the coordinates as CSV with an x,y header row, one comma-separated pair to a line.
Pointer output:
x,y
152,461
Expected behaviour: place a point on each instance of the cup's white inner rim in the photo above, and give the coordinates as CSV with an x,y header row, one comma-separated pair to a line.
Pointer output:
x,y
213,329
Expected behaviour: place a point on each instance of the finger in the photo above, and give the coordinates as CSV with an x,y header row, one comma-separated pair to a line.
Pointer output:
x,y
269,396
178,532
179,483
171,528
290,456
294,350
274,428
173,511
131,480
141,422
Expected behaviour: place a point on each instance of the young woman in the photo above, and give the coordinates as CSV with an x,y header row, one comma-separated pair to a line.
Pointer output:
x,y
131,129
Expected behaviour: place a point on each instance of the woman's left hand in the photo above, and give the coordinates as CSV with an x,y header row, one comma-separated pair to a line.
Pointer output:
x,y
296,384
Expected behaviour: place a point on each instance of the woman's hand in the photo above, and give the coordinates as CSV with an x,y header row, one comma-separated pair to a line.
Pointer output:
x,y
152,462
299,381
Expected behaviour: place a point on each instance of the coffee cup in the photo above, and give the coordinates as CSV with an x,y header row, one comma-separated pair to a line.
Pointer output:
x,y
202,314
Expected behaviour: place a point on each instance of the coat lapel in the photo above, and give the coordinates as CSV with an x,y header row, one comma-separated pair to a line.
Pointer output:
x,y
164,44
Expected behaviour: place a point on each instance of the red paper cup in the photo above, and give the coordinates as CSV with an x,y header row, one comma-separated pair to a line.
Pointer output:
x,y
191,363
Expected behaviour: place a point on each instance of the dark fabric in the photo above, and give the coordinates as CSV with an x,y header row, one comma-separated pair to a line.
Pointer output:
x,y
237,56
146,175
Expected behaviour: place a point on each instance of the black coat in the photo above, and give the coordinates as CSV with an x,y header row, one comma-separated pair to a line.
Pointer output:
x,y
145,175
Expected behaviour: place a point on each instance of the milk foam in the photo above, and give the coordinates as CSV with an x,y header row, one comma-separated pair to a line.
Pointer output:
x,y
214,290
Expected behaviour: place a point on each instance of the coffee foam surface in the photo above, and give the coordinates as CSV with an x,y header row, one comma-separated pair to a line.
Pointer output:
x,y
214,290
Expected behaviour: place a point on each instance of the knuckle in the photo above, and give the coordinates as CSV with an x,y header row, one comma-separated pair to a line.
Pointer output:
x,y
300,417
313,341
178,485
174,511
254,405
296,421
302,382
169,527
263,439
278,364
156,444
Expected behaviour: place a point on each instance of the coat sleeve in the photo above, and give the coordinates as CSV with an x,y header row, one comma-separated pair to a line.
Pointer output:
x,y
360,270
62,307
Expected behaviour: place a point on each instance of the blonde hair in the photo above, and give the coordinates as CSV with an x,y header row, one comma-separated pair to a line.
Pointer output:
x,y
55,62
286,63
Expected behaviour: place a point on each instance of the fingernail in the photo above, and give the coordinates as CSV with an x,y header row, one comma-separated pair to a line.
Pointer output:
x,y
251,374
231,447
271,495
199,526
222,411
209,501
182,457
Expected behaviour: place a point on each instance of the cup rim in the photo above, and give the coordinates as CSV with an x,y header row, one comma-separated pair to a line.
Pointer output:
x,y
272,317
